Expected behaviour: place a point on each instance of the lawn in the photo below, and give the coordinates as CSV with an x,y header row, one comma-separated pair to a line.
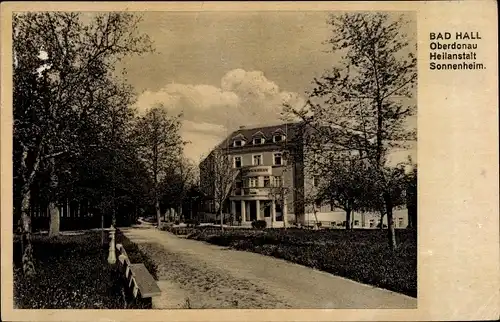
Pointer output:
x,y
360,255
72,273
136,255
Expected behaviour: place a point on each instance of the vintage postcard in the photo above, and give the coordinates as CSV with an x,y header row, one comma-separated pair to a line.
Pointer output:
x,y
241,161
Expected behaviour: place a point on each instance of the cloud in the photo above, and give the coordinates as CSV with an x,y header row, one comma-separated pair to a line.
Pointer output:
x,y
210,112
202,137
204,128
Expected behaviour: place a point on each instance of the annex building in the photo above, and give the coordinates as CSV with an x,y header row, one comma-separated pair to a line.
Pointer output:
x,y
274,187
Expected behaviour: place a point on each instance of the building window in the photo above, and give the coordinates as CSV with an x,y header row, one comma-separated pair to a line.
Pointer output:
x,y
278,159
267,181
238,143
252,182
278,138
278,182
257,159
315,181
356,223
237,162
333,223
332,208
400,222
237,188
317,203
258,141
344,223
372,223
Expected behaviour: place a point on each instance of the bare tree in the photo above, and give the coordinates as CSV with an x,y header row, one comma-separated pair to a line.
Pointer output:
x,y
362,106
309,198
279,192
282,191
299,198
217,179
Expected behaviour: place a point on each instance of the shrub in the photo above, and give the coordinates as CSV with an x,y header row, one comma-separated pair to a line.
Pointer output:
x,y
192,223
259,224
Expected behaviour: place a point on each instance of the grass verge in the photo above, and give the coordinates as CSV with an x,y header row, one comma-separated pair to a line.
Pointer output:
x,y
136,255
360,255
73,273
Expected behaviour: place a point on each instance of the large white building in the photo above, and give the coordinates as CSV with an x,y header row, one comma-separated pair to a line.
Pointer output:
x,y
264,175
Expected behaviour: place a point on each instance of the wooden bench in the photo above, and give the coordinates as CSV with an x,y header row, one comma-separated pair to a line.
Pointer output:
x,y
145,282
137,279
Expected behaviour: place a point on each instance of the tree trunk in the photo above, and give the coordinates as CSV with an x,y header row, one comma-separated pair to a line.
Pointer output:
x,y
221,219
27,247
54,220
382,214
316,218
158,213
102,229
283,214
53,210
412,217
348,219
391,233
273,211
28,177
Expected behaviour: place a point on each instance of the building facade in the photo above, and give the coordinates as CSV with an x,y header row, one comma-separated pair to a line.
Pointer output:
x,y
272,184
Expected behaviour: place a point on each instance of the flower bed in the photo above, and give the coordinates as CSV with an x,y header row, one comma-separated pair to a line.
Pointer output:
x,y
361,255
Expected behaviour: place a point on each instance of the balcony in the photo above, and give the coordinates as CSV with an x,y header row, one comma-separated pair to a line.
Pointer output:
x,y
253,191
256,191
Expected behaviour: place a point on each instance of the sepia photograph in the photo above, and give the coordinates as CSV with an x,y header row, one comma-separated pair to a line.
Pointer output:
x,y
214,160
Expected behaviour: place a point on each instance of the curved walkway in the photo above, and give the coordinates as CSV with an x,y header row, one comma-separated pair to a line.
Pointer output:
x,y
200,275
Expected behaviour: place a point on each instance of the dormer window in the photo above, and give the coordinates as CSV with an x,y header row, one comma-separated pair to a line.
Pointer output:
x,y
237,143
258,138
239,140
278,138
258,141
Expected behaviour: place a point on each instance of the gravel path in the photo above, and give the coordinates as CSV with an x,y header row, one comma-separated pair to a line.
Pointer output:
x,y
199,275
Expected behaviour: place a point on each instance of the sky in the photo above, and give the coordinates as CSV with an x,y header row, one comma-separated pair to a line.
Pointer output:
x,y
226,69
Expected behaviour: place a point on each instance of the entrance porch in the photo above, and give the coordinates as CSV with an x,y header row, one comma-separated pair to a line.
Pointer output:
x,y
251,210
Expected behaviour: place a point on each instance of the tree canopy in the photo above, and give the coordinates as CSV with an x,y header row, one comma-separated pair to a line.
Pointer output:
x,y
72,114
